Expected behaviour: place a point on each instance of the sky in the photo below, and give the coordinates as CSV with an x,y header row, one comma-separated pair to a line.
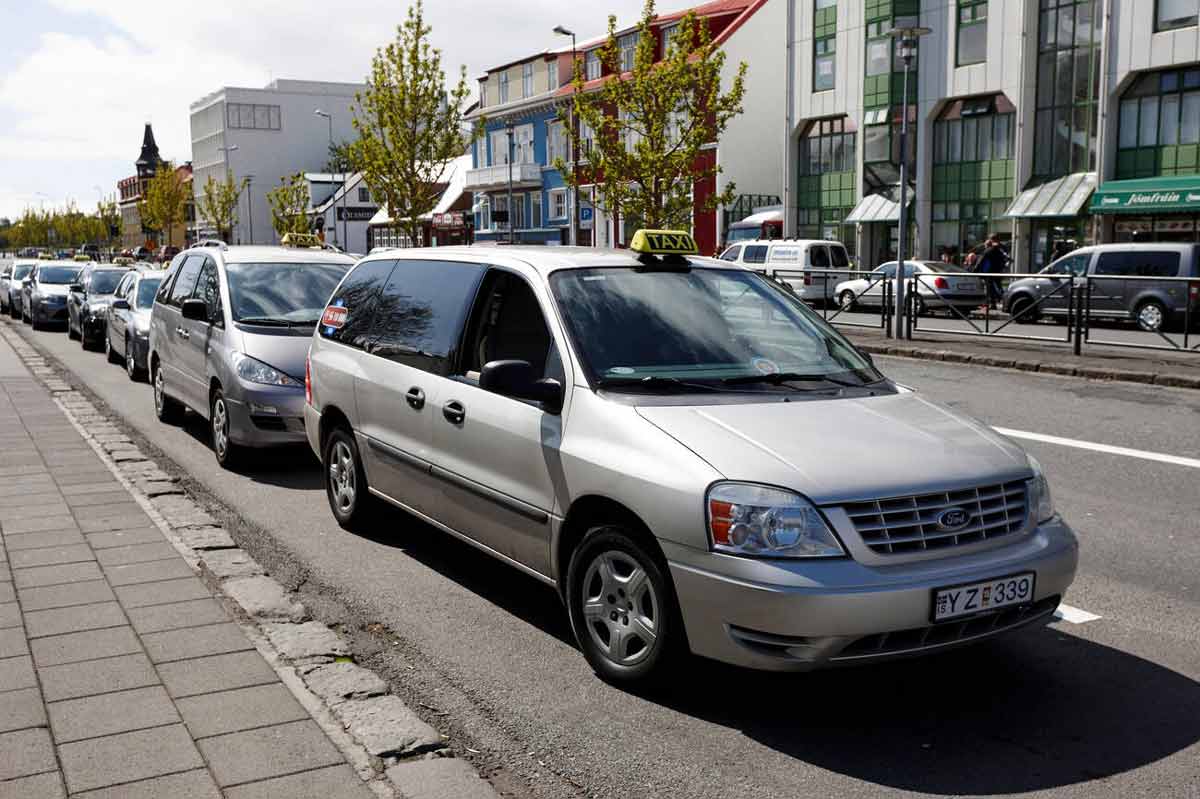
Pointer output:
x,y
80,78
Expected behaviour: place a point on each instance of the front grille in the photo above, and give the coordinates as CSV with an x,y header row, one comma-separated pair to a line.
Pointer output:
x,y
918,639
911,524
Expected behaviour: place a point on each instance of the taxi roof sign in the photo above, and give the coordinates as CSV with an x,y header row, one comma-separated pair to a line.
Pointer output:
x,y
663,242
301,240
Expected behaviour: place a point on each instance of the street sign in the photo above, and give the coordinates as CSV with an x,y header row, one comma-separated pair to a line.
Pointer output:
x,y
361,214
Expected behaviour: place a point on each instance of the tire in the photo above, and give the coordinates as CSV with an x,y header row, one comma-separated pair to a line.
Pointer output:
x,y
110,354
1019,306
354,507
34,323
167,410
131,367
71,334
847,300
626,637
1151,316
228,454
919,308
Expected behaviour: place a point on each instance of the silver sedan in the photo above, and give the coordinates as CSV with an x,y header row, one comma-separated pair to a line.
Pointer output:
x,y
937,285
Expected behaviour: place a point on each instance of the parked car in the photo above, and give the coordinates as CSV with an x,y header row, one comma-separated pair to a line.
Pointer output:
x,y
88,300
1153,304
44,292
228,336
10,286
939,286
142,253
127,331
691,456
792,261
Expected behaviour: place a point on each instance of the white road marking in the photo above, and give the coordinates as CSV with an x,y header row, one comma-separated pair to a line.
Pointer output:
x,y
1074,615
1175,460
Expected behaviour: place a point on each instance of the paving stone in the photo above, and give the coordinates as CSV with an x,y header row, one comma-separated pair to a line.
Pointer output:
x,y
126,537
100,523
61,596
50,556
263,598
226,563
155,571
49,538
10,615
96,487
162,592
241,709
205,537
126,757
12,643
193,642
17,672
41,623
63,521
175,615
136,553
335,781
96,677
188,785
268,752
39,786
384,725
28,511
7,592
440,778
337,682
107,714
26,752
88,645
216,673
82,477
57,575
157,488
5,572
305,642
20,709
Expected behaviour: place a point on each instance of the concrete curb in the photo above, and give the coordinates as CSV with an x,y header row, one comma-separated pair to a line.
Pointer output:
x,y
1057,368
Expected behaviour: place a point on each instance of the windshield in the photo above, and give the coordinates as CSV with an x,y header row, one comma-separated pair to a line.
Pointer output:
x,y
282,292
58,275
21,271
105,282
699,325
743,234
146,289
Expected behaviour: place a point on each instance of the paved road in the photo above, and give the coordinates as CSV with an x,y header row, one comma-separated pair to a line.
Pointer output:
x,y
1110,707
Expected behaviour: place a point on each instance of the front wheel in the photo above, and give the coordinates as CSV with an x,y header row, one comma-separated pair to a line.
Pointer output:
x,y
131,367
109,353
846,300
71,334
228,453
166,409
352,504
622,608
1151,316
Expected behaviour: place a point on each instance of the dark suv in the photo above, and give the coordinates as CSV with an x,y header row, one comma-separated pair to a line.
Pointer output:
x,y
1119,286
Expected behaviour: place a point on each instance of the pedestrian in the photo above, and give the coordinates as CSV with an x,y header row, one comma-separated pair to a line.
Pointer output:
x,y
993,261
970,261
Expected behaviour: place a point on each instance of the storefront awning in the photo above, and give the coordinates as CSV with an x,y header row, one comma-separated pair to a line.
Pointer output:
x,y
1065,196
1175,194
874,208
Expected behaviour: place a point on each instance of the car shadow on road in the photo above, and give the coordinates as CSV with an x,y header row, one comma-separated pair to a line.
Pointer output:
x,y
1036,710
290,466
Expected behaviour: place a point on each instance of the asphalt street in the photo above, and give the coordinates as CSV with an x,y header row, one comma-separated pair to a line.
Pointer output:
x,y
1108,707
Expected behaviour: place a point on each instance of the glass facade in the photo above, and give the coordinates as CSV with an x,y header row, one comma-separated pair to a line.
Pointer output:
x,y
1068,88
826,187
824,45
884,103
1159,128
971,44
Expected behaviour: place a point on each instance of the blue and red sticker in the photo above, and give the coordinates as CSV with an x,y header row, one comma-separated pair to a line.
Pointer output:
x,y
334,317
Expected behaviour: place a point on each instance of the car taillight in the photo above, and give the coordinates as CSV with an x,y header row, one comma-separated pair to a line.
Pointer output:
x,y
1194,291
807,279
940,283
308,381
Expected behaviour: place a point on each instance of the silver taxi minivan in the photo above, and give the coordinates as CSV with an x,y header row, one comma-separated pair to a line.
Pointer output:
x,y
683,449
229,333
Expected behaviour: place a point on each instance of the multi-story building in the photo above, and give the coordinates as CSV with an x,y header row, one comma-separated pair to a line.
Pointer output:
x,y
1027,119
130,191
341,207
266,135
521,103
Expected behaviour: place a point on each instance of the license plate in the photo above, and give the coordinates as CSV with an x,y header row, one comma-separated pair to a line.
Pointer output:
x,y
966,600
967,285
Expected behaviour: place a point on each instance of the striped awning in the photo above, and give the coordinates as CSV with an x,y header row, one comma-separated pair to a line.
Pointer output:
x,y
1065,196
874,208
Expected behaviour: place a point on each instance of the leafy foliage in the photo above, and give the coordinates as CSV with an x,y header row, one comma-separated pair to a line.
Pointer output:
x,y
219,203
289,206
162,207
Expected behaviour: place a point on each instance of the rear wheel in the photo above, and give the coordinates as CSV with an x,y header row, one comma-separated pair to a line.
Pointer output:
x,y
352,504
1151,316
846,300
166,409
1022,310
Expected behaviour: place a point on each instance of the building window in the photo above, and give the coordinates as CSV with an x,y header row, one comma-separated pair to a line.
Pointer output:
x,y
668,35
558,204
586,137
879,57
972,31
824,63
627,45
556,142
552,75
483,94
629,131
1159,130
591,61
1172,14
252,117
364,194
1068,88
503,88
535,218
527,79
827,189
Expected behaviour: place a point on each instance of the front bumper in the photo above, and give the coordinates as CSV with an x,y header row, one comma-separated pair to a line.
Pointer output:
x,y
251,424
801,615
92,328
48,312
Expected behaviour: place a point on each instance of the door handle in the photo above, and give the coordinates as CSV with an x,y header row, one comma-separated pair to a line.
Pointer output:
x,y
182,333
454,412
415,398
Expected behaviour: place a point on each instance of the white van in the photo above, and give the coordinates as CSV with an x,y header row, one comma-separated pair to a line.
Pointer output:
x,y
788,261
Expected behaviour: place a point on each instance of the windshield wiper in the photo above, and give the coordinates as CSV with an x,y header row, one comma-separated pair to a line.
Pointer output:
x,y
268,321
779,378
652,381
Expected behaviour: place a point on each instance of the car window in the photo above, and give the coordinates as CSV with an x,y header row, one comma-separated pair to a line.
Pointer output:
x,y
508,324
731,253
21,272
57,275
421,311
85,277
146,289
839,257
347,319
1072,264
185,283
755,254
887,270
273,292
818,256
104,281
1138,264
208,289
122,290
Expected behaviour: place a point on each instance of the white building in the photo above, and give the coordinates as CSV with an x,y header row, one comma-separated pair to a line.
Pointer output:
x,y
266,135
342,208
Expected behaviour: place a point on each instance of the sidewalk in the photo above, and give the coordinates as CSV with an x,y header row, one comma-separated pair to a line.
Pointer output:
x,y
120,673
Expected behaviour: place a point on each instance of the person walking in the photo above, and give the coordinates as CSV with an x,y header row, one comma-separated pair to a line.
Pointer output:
x,y
993,262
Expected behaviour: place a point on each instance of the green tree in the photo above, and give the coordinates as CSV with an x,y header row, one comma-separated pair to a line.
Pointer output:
x,y
162,208
410,128
109,216
219,203
341,157
643,131
289,206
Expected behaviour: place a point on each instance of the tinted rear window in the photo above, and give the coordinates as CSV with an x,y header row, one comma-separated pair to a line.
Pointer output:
x,y
840,258
1139,264
755,254
359,295
105,282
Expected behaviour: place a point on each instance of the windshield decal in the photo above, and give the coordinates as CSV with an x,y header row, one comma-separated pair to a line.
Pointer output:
x,y
334,317
765,366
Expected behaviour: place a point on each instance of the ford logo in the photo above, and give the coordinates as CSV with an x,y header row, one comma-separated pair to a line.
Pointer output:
x,y
953,519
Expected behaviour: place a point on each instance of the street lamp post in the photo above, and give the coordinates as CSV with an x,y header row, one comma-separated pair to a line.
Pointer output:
x,y
907,38
512,231
229,176
345,240
574,196
250,205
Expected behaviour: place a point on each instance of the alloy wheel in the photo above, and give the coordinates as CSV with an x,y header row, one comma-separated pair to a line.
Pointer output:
x,y
130,361
1150,316
620,607
342,478
160,391
846,300
220,428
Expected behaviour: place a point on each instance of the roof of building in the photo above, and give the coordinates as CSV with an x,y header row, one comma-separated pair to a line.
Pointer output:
x,y
454,176
148,160
347,185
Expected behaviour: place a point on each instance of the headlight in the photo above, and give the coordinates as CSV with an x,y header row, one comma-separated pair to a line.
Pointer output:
x,y
749,519
255,371
1040,500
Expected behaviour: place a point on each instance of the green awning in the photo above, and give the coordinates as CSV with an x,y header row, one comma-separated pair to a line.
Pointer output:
x,y
1176,193
1065,196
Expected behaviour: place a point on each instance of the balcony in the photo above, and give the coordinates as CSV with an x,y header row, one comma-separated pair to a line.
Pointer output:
x,y
490,178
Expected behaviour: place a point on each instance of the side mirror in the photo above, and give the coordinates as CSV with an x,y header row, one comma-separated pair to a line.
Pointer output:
x,y
119,305
195,310
76,287
516,379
